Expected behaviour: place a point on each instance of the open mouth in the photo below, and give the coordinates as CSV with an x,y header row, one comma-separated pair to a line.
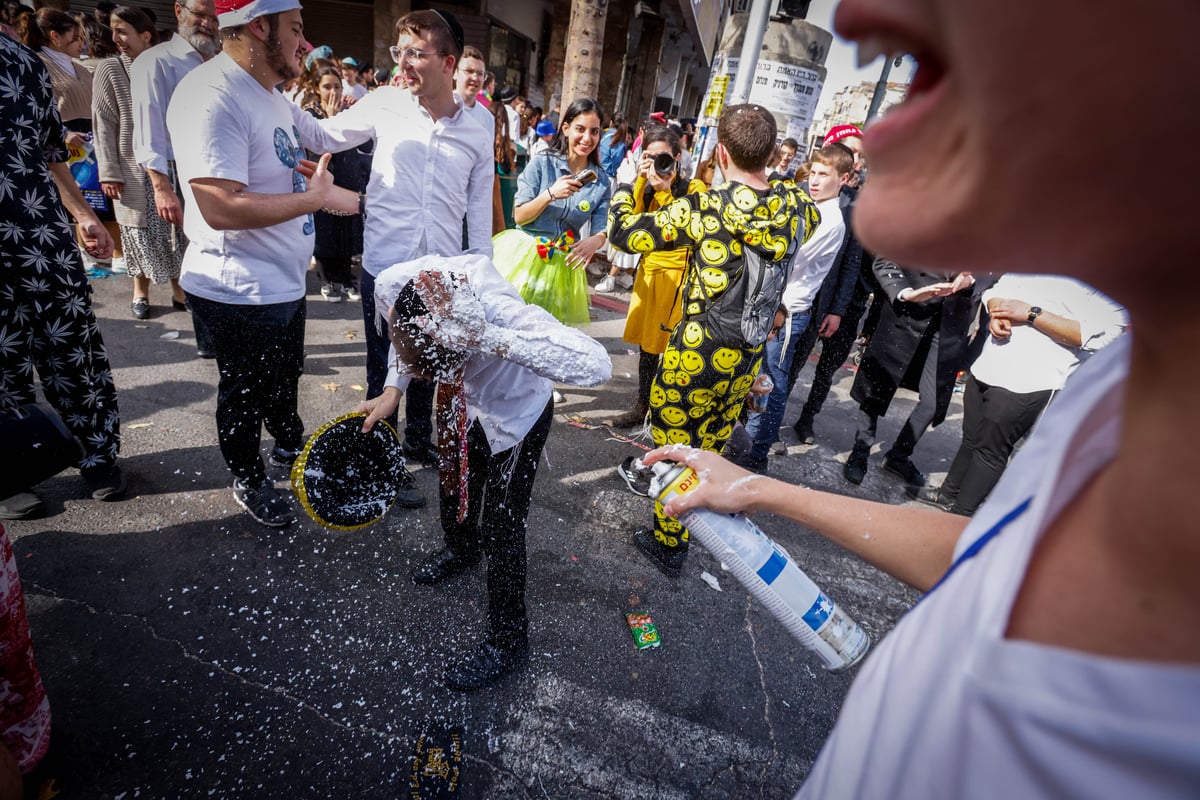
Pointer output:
x,y
876,36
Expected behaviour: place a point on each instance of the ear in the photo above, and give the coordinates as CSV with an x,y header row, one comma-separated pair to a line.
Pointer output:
x,y
259,29
843,178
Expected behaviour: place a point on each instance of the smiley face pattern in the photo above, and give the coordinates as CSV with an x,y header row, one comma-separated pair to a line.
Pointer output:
x,y
695,400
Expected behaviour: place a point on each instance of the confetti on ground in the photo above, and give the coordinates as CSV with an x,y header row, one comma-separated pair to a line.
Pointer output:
x,y
350,335
170,335
711,580
356,387
331,387
139,425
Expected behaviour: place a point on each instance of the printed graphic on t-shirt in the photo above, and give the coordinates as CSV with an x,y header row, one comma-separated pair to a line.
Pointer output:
x,y
290,156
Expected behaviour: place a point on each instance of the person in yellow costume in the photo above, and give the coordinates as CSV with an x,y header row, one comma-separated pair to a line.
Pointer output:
x,y
746,227
655,308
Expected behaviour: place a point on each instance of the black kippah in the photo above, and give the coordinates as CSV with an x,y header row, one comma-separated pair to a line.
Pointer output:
x,y
456,30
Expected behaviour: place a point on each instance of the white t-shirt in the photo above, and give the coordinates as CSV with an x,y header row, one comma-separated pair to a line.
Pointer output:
x,y
479,112
225,125
355,90
947,707
1029,360
815,258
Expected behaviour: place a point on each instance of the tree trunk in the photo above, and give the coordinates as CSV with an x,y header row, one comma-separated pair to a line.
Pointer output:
x,y
585,49
556,55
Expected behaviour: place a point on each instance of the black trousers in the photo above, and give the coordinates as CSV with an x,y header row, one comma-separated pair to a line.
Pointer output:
x,y
336,269
834,352
499,486
994,420
260,355
919,419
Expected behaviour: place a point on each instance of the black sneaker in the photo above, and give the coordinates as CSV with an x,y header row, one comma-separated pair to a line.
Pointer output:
x,y
930,496
264,503
636,477
747,461
283,457
424,453
105,483
22,505
804,431
669,560
856,465
408,496
904,468
485,665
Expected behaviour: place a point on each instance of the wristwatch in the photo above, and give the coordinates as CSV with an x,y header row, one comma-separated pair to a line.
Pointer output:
x,y
1034,313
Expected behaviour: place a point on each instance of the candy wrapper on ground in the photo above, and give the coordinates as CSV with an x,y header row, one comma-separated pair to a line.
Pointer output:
x,y
645,633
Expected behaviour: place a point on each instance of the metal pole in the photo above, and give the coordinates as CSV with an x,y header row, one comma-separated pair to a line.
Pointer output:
x,y
880,90
756,29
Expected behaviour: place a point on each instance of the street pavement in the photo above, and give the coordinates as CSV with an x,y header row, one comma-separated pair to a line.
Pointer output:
x,y
189,652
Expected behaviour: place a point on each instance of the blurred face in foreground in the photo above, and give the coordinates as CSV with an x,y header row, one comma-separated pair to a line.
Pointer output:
x,y
977,150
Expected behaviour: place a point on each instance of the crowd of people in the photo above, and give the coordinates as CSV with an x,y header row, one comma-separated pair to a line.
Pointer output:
x,y
473,220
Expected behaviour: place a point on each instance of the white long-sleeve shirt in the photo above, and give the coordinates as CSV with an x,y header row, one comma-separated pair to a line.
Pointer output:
x,y
815,258
506,395
425,173
1029,360
152,81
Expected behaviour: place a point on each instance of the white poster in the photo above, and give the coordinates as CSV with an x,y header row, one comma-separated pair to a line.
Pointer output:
x,y
786,89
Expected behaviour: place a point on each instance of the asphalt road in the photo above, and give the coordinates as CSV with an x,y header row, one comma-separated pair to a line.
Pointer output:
x,y
190,653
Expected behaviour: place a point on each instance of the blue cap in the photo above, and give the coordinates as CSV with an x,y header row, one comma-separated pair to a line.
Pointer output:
x,y
324,51
349,61
545,128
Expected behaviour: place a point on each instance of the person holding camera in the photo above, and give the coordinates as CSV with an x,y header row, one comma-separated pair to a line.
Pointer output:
x,y
561,209
654,309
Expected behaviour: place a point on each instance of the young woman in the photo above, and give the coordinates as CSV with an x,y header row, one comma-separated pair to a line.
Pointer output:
x,y
562,214
338,238
59,40
655,308
153,247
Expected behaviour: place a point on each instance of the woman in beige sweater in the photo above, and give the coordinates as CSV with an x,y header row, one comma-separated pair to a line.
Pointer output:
x,y
153,247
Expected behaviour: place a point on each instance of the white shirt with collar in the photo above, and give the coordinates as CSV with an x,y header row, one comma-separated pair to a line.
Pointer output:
x,y
1029,360
152,81
506,395
424,173
815,258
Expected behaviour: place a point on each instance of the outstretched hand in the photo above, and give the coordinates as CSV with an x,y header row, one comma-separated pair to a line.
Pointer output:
x,y
724,487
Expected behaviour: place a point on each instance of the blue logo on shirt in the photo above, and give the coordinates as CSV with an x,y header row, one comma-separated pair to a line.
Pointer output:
x,y
290,156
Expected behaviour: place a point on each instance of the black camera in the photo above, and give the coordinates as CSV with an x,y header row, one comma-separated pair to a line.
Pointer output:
x,y
664,164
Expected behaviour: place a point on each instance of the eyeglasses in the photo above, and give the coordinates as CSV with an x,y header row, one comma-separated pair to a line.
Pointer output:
x,y
200,15
476,73
411,55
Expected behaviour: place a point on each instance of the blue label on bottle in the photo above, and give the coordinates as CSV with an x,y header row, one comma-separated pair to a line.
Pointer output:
x,y
770,570
822,607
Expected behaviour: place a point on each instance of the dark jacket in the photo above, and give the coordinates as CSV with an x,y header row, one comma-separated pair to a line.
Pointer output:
x,y
838,287
903,340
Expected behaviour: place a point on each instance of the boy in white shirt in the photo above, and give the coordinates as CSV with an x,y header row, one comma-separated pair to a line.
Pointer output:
x,y
459,321
831,168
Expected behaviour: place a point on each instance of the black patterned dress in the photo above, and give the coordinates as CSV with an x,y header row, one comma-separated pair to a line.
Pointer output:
x,y
46,319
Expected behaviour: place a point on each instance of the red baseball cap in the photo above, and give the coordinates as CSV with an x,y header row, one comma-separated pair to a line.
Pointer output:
x,y
839,132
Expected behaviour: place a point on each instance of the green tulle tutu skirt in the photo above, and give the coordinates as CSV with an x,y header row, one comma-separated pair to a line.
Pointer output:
x,y
548,283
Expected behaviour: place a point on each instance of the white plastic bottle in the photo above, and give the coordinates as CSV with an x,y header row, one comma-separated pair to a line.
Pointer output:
x,y
768,572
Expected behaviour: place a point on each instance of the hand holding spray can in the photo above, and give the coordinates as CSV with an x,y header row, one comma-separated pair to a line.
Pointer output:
x,y
768,572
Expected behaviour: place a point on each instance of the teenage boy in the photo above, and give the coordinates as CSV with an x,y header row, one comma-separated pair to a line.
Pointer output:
x,y
457,320
432,166
237,158
831,167
707,369
468,81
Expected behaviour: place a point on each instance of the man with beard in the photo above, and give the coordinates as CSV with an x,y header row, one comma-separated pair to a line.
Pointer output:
x,y
237,153
152,81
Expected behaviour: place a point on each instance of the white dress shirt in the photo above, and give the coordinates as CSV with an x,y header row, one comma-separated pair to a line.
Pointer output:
x,y
815,258
1029,360
425,173
152,80
506,395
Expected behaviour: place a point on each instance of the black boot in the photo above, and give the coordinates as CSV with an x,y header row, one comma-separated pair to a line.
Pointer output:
x,y
443,564
669,560
484,665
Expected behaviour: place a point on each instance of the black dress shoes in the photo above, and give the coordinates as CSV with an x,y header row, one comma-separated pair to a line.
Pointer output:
x,y
443,564
485,665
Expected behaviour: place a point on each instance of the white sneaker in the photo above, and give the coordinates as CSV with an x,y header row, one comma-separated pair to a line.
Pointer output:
x,y
607,284
625,280
352,293
331,294
118,266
